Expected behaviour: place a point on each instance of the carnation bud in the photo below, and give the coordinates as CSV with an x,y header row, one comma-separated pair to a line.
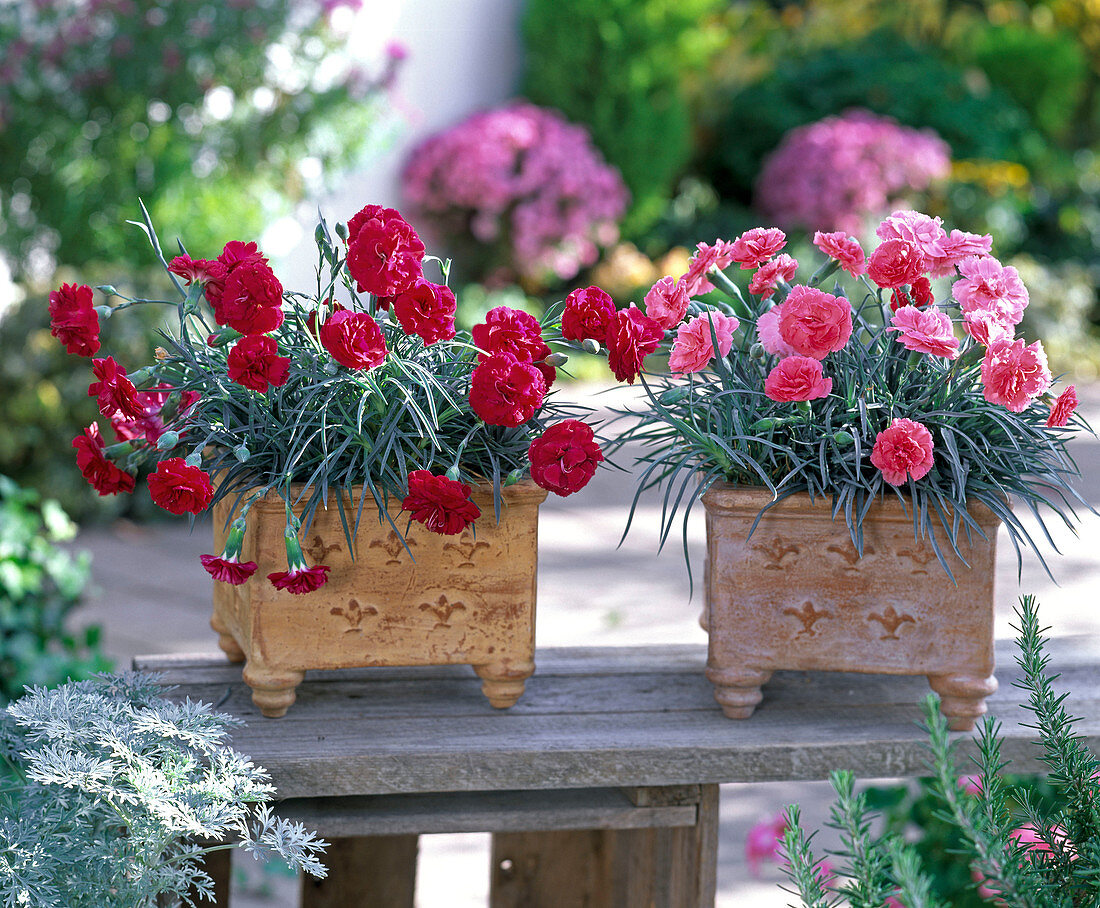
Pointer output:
x,y
221,337
168,440
242,453
193,460
331,367
589,345
556,359
757,351
118,451
342,230
109,289
673,396
512,478
140,376
843,439
105,311
766,424
452,472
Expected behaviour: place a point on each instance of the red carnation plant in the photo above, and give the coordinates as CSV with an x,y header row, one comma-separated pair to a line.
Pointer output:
x,y
362,389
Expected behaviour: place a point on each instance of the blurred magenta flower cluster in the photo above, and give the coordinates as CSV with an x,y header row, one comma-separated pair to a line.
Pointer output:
x,y
839,172
521,185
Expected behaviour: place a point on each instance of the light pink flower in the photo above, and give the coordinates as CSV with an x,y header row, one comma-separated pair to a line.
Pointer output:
x,y
706,259
781,268
925,331
901,450
693,348
985,327
767,331
756,246
797,378
988,286
845,249
1060,412
814,322
763,842
667,302
958,246
1014,374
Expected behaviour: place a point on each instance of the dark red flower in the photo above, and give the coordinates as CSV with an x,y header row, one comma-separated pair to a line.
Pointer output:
x,y
507,330
300,580
179,488
254,362
895,263
105,477
919,295
73,319
228,570
564,458
443,505
630,339
251,300
428,310
505,391
587,314
384,252
353,339
116,393
150,425
197,271
233,254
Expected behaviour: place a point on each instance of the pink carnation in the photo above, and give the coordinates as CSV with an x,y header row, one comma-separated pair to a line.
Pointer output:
x,y
693,348
767,331
941,252
903,450
925,331
814,322
845,249
797,378
985,328
766,280
707,258
1013,374
764,841
756,246
667,302
896,263
988,286
1061,410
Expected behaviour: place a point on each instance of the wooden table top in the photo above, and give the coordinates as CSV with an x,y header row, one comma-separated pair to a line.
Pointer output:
x,y
601,717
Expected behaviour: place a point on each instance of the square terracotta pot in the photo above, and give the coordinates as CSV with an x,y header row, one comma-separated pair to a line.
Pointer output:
x,y
465,599
796,595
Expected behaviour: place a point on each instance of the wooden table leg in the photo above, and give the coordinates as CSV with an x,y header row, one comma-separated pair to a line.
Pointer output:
x,y
671,867
365,872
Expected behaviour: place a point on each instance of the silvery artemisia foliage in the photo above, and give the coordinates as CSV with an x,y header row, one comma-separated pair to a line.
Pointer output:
x,y
112,794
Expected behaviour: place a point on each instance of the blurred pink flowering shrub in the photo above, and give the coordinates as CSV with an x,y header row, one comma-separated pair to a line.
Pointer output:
x,y
838,172
523,187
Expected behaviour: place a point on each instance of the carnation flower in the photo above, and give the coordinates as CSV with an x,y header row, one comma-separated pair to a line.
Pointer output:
x,y
385,254
228,567
1062,409
505,391
197,271
767,278
919,295
925,331
180,488
427,310
511,331
254,363
896,262
353,339
707,258
73,319
443,505
756,246
1013,374
815,323
845,249
251,299
150,425
764,842
587,314
767,331
988,286
797,378
115,392
105,477
564,458
667,302
693,348
630,339
903,450
986,327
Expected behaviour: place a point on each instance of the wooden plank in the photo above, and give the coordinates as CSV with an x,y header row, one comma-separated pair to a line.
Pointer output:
x,y
486,811
368,872
663,797
551,870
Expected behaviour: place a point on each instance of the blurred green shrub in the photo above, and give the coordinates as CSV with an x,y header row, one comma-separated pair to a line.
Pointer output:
x,y
619,67
40,584
216,114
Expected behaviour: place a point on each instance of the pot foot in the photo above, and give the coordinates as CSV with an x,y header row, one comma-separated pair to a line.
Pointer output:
x,y
503,682
272,690
962,698
737,690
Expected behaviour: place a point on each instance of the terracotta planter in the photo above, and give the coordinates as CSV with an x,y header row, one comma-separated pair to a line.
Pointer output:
x,y
466,599
796,595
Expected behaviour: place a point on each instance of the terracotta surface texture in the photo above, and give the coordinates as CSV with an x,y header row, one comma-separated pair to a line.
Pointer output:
x,y
798,596
466,599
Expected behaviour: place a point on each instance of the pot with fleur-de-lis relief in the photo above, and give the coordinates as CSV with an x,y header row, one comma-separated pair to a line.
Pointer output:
x,y
797,595
424,599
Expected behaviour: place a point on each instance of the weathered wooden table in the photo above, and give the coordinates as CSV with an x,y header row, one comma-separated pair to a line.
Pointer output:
x,y
600,786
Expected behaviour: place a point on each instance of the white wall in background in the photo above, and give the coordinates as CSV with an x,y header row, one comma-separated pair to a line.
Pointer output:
x,y
463,56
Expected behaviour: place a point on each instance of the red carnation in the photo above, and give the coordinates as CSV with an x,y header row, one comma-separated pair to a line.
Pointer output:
x,y
105,477
353,339
564,458
505,391
254,362
233,254
301,580
251,299
116,393
197,271
179,488
630,339
587,314
73,319
427,310
513,331
443,505
150,425
228,570
384,252
896,262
